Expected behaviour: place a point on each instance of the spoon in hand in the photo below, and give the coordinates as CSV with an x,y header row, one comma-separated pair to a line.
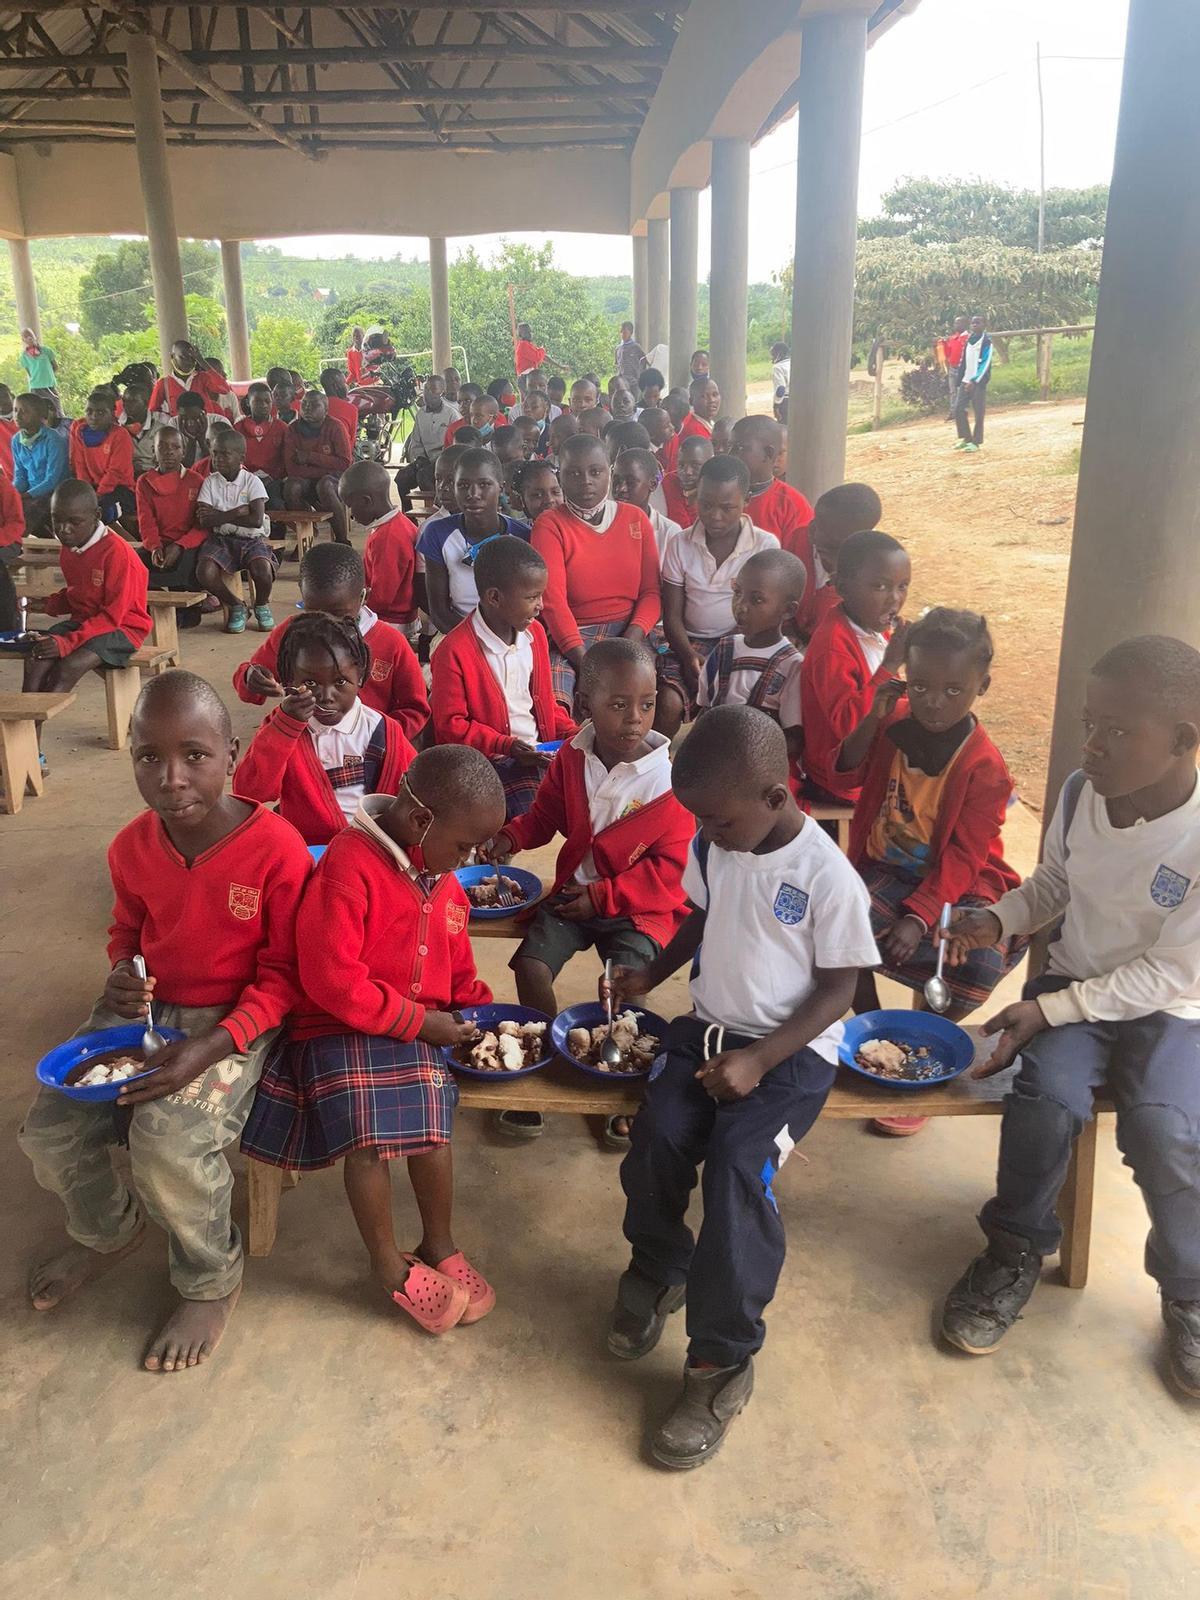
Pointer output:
x,y
610,1053
937,993
151,1040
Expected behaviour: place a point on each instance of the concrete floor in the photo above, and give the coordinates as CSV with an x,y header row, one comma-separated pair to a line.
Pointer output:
x,y
331,1449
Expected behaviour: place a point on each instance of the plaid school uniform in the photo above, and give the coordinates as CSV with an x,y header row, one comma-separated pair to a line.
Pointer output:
x,y
767,692
562,673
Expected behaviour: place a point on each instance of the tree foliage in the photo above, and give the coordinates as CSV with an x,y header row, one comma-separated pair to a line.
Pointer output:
x,y
282,342
929,211
115,291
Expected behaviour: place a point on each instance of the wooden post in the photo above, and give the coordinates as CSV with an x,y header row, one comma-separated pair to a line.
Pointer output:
x,y
1075,1209
877,405
1049,338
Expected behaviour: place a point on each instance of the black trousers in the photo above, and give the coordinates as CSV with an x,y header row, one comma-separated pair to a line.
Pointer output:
x,y
976,398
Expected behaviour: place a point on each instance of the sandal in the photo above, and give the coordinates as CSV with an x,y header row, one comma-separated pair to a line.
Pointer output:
x,y
481,1295
613,1139
430,1298
898,1127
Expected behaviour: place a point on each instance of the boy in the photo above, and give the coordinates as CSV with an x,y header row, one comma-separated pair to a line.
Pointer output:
x,y
425,441
40,367
491,677
848,508
102,455
585,396
675,496
785,925
231,508
651,384
556,388
973,373
170,532
678,408
698,367
316,451
390,553
629,358
536,409
283,398
139,425
773,504
704,398
340,407
621,403
206,890
264,435
192,420
485,408
191,374
1119,1003
622,436
40,461
563,427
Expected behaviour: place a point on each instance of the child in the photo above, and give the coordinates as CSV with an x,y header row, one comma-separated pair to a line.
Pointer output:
x,y
675,403
635,476
698,367
531,437
40,461
621,403
12,529
485,408
206,891
785,928
704,398
467,395
556,388
675,496
1117,1006
630,358
316,451
338,404
103,601
858,646
773,505
170,532
585,396
390,553
385,960
536,409
722,436
535,488
508,446
563,427
491,676
264,435
140,426
849,508
450,544
283,397
602,561
332,581
621,436
617,880
231,508
191,374
322,748
192,420
651,384
661,430
102,455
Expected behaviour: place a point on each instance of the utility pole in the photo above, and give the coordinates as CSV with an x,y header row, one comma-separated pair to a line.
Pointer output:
x,y
1041,242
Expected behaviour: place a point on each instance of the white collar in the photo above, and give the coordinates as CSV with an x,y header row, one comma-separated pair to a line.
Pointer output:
x,y
386,517
348,724
366,620
660,749
492,640
605,522
866,633
363,819
101,530
745,538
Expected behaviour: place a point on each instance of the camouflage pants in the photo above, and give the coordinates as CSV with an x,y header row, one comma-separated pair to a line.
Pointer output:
x,y
176,1147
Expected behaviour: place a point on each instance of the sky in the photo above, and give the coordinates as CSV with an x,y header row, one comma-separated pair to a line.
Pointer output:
x,y
950,92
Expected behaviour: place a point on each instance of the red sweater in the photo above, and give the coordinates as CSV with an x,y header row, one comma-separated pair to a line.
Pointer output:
x,y
325,455
468,703
783,511
597,577
210,386
965,853
693,428
166,504
105,593
836,691
264,445
679,508
390,562
7,429
281,766
376,951
345,412
394,685
107,465
527,356
12,513
353,365
640,857
217,932
459,422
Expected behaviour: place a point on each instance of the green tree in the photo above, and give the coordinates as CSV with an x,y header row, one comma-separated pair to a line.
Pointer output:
x,y
927,211
116,289
405,315
556,305
206,325
283,342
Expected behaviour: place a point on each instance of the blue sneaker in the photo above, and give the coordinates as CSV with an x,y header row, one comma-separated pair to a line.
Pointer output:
x,y
263,618
236,620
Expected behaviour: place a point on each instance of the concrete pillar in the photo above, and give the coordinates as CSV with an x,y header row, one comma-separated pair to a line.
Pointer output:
x,y
641,321
657,283
24,286
439,294
235,311
145,92
1137,512
833,54
685,241
730,268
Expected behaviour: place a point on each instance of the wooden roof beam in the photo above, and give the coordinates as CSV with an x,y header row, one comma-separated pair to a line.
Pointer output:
x,y
345,56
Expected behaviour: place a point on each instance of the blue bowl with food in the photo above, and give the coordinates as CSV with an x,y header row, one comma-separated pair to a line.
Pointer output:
x,y
61,1067
528,889
906,1049
593,1015
487,1019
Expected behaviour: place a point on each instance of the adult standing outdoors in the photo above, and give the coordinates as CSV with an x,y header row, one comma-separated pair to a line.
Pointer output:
x,y
41,369
629,358
973,373
952,347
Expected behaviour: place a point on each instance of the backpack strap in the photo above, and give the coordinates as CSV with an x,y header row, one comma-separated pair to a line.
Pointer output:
x,y
1071,791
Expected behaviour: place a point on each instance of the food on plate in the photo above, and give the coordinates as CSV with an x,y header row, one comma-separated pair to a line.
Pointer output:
x,y
107,1069
485,895
637,1049
887,1059
507,1047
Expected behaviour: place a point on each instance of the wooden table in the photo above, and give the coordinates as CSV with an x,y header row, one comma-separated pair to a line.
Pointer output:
x,y
305,524
164,606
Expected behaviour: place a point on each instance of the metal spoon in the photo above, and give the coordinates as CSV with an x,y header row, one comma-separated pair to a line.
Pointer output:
x,y
151,1041
937,993
610,1052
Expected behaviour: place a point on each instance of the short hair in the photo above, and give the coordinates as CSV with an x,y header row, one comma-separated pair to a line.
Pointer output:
x,y
698,385
1164,669
366,477
765,429
701,352
565,423
587,382
328,374
477,459
468,439
179,687
338,636
676,406
849,508
275,375
694,441
729,747
581,443
227,434
104,392
77,492
626,436
778,566
862,547
502,561
470,391
332,566
498,388
485,400
726,469
188,401
39,401
649,377
613,655
452,455
646,459
592,421
944,628
779,351
451,777
503,435
524,470
137,386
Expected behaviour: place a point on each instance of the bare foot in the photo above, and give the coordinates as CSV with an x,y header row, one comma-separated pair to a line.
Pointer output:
x,y
191,1333
53,1280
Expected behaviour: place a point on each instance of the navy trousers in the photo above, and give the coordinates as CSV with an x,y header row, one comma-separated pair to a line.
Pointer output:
x,y
732,1266
1151,1068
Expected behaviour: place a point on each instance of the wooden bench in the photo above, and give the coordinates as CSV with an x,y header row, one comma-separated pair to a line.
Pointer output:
x,y
164,606
19,763
841,816
306,525
122,685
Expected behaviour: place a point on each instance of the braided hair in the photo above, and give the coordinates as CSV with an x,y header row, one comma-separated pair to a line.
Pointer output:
x,y
944,628
316,630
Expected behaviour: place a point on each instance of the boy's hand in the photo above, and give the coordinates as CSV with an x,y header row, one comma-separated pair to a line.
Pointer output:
x,y
573,904
628,984
886,695
1017,1025
127,994
298,703
969,930
440,1028
207,516
899,943
732,1075
527,755
893,656
44,647
498,849
260,681
177,1064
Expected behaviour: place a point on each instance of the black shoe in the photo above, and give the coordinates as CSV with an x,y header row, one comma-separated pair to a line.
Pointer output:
x,y
694,1428
641,1313
521,1124
1182,1318
990,1295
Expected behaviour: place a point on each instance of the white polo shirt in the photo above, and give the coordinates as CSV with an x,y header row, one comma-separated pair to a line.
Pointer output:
x,y
512,668
707,587
233,494
629,786
341,749
873,646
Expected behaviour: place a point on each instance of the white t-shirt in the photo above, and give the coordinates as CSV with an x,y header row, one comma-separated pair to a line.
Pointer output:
x,y
708,588
629,786
232,494
512,668
873,646
742,681
663,529
340,749
772,919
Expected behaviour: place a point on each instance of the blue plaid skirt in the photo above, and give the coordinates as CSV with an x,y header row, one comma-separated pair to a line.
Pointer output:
x,y
323,1097
562,673
520,786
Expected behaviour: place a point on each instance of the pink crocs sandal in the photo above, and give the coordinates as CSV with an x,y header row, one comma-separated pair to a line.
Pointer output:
x,y
482,1297
431,1298
899,1127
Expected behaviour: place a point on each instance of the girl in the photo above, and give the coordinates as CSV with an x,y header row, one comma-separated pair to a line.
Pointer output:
x,y
449,544
384,960
602,562
166,507
321,750
635,476
536,488
676,494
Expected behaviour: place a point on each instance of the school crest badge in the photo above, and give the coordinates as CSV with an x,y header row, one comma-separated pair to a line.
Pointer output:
x,y
243,901
97,578
381,671
456,918
791,905
1169,888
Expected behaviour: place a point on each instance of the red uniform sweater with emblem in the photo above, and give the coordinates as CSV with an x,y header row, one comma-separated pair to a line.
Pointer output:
x,y
105,593
395,684
376,950
597,577
390,563
640,857
166,507
678,507
107,465
321,455
836,690
210,386
281,767
345,412
693,427
12,514
965,855
264,445
468,703
220,930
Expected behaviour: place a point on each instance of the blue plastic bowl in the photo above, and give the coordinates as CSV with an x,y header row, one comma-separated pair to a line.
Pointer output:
x,y
948,1044
530,885
550,746
590,1015
22,641
488,1017
316,851
57,1065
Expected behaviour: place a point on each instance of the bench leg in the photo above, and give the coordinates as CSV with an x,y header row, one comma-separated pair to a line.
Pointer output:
x,y
164,635
19,763
122,686
266,1184
1075,1209
843,835
306,537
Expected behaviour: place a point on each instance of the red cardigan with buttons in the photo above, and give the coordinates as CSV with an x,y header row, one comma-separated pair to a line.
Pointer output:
x,y
836,691
390,563
376,951
468,703
166,509
640,857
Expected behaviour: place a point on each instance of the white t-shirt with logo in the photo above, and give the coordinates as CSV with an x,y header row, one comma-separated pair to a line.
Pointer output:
x,y
233,494
771,919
